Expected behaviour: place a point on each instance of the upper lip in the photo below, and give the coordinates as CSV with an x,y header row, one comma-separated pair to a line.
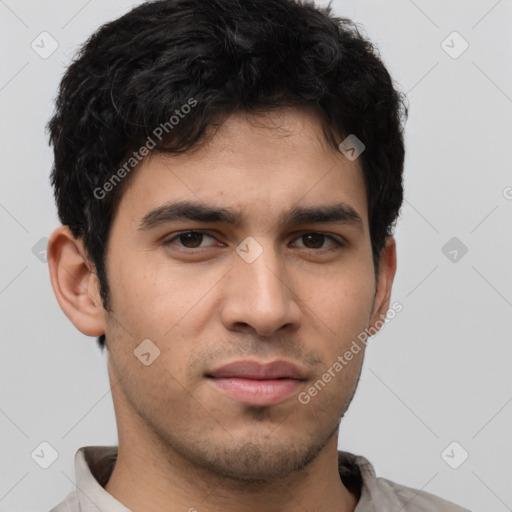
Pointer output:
x,y
258,371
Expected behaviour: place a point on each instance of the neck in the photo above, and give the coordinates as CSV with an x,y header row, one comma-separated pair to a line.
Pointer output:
x,y
147,475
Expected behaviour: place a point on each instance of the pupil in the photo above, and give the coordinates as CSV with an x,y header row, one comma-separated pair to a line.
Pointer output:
x,y
315,236
188,238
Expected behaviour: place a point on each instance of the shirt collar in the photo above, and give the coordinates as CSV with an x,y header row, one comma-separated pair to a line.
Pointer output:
x,y
93,466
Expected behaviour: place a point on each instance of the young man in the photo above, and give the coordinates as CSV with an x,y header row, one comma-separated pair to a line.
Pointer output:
x,y
228,175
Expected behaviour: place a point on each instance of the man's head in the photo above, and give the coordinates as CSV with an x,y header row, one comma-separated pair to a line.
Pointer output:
x,y
211,212
146,70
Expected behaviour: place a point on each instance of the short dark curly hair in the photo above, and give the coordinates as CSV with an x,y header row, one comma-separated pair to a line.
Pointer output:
x,y
134,73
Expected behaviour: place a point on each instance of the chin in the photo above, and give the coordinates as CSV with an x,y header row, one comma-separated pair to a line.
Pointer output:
x,y
263,460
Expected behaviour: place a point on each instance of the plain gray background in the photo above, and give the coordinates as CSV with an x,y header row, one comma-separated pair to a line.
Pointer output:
x,y
439,372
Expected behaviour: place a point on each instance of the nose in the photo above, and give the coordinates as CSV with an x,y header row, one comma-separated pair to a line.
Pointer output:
x,y
259,296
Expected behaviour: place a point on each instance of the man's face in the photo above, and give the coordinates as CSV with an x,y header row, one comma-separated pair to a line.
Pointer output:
x,y
298,292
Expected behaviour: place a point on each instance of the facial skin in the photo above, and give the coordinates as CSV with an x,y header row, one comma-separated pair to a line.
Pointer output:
x,y
303,300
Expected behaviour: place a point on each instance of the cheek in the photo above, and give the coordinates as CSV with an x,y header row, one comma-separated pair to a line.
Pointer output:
x,y
338,312
156,391
150,298
170,308
331,391
342,301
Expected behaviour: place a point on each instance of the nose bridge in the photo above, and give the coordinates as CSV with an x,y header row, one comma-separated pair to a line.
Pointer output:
x,y
259,295
263,274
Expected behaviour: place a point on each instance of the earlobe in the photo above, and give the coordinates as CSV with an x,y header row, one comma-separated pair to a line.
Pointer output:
x,y
74,282
387,269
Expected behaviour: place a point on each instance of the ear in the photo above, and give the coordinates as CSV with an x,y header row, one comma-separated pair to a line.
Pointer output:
x,y
75,283
387,269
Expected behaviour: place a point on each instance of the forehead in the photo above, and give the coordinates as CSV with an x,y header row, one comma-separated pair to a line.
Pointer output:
x,y
261,165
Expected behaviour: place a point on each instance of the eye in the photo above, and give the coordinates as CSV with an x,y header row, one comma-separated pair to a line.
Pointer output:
x,y
316,241
188,239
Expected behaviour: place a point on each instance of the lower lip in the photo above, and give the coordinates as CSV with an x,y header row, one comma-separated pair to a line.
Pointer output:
x,y
257,392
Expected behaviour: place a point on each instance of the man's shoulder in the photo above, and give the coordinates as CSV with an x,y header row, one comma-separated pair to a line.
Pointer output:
x,y
69,504
415,500
377,494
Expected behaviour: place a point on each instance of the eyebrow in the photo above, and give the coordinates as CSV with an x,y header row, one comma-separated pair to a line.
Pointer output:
x,y
188,210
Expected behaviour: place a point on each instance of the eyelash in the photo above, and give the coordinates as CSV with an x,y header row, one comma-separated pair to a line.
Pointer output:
x,y
337,246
